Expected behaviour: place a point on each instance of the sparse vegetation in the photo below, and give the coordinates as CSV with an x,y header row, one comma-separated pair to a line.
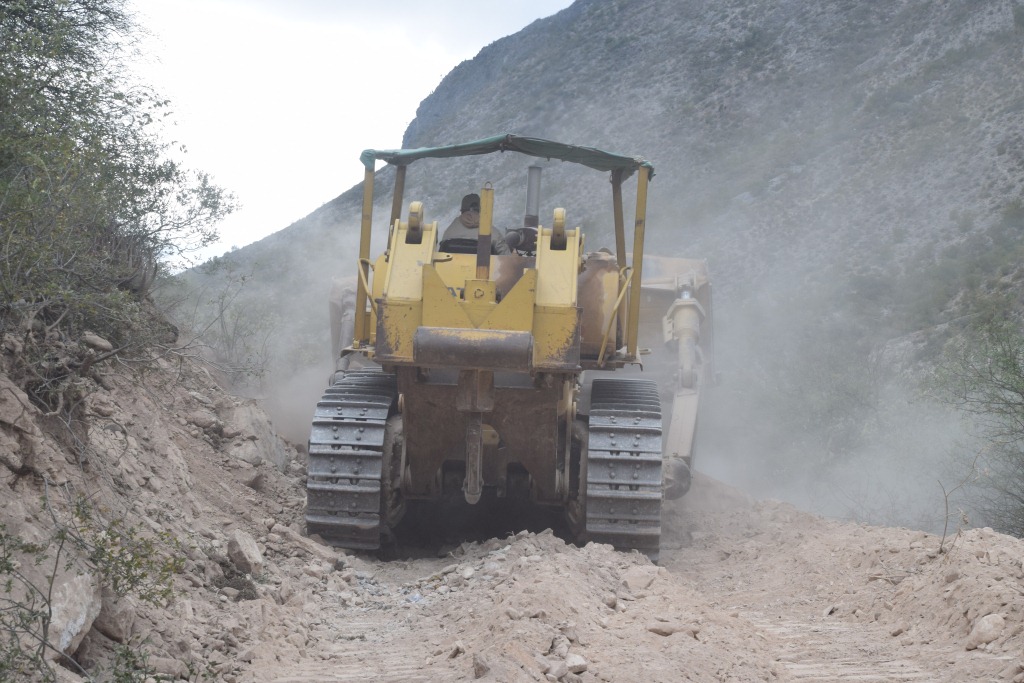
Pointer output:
x,y
983,375
127,560
120,555
94,205
91,202
220,321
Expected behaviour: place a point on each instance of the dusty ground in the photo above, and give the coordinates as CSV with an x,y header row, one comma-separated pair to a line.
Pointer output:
x,y
746,591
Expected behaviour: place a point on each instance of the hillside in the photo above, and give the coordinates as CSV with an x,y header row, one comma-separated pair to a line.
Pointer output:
x,y
851,172
842,135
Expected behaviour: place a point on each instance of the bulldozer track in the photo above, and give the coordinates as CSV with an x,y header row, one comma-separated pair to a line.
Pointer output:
x,y
624,465
346,445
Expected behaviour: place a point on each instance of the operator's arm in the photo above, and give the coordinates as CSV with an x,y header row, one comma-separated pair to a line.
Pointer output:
x,y
522,239
498,245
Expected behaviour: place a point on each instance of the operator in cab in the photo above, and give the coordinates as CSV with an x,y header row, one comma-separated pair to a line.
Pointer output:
x,y
465,229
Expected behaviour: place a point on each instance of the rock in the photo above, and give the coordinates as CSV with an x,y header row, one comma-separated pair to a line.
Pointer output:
x,y
558,668
985,630
202,419
101,406
97,342
559,647
255,480
15,408
230,432
205,400
116,617
75,605
12,345
480,666
11,455
260,442
308,545
457,649
246,450
576,663
244,553
455,580
166,666
662,629
667,628
638,578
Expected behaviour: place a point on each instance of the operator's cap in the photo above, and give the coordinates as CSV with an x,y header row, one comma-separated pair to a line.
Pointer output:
x,y
470,201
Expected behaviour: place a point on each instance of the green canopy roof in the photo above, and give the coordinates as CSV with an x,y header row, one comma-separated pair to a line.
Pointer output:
x,y
588,156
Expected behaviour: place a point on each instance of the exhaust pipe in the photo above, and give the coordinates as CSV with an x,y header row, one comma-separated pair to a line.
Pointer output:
x,y
532,219
524,240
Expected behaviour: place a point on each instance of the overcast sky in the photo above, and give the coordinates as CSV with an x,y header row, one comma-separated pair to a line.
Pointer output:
x,y
277,98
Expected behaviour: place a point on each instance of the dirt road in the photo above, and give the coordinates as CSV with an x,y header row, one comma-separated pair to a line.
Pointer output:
x,y
745,591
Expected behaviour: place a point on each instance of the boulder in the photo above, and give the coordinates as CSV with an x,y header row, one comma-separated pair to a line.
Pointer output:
x,y
116,617
246,450
985,630
15,409
576,664
557,668
202,419
169,668
244,553
258,441
75,604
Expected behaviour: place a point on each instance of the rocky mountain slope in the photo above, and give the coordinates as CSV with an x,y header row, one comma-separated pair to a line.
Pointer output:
x,y
853,173
788,140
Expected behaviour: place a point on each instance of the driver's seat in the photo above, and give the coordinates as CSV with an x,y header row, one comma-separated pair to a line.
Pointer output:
x,y
458,245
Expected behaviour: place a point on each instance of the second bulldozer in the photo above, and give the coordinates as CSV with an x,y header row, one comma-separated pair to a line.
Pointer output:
x,y
493,375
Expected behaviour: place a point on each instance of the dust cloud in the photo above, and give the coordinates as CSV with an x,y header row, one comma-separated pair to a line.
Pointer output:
x,y
291,399
816,405
809,410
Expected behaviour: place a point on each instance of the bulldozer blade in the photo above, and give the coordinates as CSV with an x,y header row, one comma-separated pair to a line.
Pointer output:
x,y
447,347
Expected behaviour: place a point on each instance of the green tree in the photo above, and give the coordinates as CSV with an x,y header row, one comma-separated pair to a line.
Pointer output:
x,y
92,204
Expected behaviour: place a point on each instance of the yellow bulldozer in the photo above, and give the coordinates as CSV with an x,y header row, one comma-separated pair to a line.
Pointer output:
x,y
473,374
